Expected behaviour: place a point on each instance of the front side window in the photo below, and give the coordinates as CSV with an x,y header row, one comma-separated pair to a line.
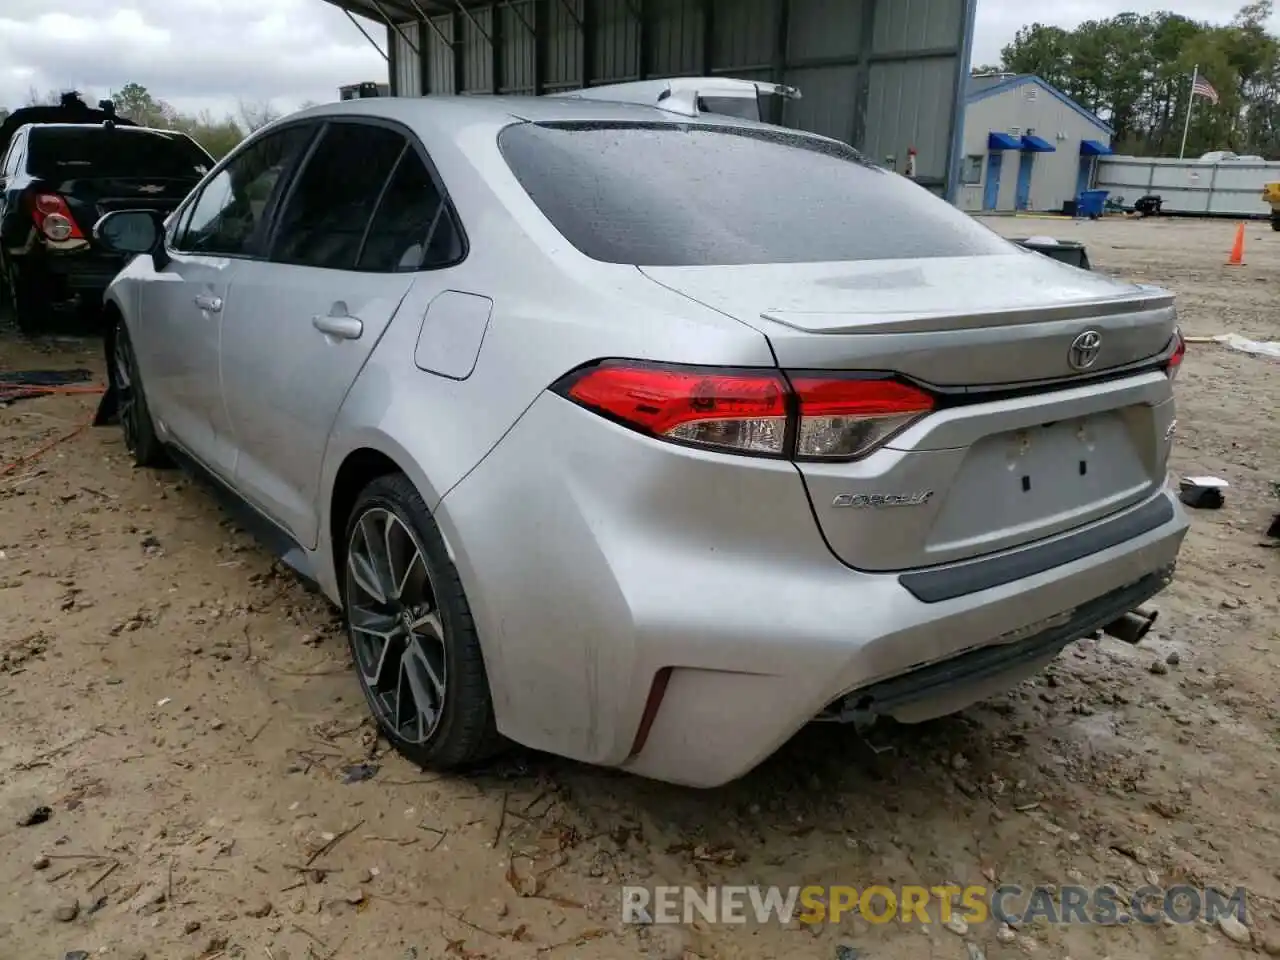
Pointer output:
x,y
228,216
324,221
690,194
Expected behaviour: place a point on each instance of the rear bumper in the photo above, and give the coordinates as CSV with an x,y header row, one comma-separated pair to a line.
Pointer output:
x,y
83,270
913,661
609,573
73,267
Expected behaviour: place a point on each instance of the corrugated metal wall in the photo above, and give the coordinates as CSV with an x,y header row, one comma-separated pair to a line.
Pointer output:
x,y
1232,188
880,74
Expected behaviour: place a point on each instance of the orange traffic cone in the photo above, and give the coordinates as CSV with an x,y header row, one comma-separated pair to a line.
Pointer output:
x,y
1237,249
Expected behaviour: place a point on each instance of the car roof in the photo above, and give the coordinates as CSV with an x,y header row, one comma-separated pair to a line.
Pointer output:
x,y
452,114
102,126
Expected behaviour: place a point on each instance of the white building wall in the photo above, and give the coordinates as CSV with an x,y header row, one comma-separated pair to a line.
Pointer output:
x,y
1232,188
1028,109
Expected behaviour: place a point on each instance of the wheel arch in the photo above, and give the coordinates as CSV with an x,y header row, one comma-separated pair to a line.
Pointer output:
x,y
358,469
365,458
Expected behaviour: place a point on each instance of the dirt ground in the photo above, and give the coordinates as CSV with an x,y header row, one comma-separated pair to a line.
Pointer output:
x,y
185,711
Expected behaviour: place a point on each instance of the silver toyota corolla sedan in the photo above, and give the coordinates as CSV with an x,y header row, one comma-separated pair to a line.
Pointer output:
x,y
645,439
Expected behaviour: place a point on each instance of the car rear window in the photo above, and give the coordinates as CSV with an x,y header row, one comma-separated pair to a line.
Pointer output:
x,y
678,194
62,153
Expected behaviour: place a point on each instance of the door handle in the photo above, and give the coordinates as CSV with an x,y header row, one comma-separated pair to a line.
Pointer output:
x,y
206,301
344,328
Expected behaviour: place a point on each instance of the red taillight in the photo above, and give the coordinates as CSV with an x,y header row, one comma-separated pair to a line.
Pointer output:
x,y
743,411
810,416
53,217
1174,363
841,418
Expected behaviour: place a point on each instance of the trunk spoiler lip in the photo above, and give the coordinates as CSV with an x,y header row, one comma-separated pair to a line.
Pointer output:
x,y
990,392
1148,300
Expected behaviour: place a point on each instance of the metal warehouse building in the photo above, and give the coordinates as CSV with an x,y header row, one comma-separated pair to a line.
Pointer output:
x,y
884,75
1026,145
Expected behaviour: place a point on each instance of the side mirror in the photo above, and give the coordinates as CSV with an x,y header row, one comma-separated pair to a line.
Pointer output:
x,y
128,231
131,232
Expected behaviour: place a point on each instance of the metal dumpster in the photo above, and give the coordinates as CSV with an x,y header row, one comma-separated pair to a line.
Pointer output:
x,y
1067,251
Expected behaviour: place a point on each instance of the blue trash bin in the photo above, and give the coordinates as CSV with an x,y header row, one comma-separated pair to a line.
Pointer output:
x,y
1091,203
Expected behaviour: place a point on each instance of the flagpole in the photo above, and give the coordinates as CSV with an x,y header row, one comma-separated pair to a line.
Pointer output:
x,y
1191,99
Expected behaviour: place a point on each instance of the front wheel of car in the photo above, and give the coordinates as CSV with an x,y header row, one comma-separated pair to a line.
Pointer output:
x,y
412,637
131,401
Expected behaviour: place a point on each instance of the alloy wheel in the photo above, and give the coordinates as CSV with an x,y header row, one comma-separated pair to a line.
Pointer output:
x,y
126,390
397,635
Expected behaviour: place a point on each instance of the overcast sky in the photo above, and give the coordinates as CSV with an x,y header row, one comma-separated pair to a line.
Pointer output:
x,y
200,54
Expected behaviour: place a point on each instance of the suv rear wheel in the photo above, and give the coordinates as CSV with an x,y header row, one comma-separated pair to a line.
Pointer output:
x,y
412,637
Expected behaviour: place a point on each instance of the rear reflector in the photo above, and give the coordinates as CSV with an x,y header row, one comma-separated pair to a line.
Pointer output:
x,y
758,412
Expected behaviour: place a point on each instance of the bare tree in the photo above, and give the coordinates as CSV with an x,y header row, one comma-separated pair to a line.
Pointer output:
x,y
256,113
35,98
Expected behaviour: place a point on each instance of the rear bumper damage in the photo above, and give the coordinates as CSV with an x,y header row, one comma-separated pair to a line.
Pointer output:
x,y
874,652
922,692
642,609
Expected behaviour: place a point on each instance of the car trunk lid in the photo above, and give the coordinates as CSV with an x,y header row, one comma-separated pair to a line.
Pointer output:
x,y
1036,432
91,198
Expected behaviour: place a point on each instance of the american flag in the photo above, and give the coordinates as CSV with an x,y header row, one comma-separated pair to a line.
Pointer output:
x,y
1204,88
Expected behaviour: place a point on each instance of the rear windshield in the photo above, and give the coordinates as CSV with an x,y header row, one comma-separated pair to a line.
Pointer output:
x,y
688,195
62,153
746,108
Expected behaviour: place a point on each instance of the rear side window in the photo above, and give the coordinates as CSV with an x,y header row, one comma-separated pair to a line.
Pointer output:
x,y
674,194
11,166
413,228
328,212
60,153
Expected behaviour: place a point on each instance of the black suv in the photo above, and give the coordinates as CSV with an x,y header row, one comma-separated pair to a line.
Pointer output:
x,y
56,181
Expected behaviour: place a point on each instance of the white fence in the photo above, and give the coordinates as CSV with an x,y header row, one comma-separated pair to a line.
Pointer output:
x,y
1231,188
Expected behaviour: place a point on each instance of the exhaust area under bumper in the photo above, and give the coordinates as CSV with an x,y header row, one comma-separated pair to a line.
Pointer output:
x,y
940,688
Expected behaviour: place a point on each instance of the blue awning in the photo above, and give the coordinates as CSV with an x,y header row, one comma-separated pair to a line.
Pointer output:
x,y
1034,144
1094,148
1002,141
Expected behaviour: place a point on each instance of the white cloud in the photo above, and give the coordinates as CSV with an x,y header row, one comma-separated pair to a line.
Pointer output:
x,y
197,54
207,54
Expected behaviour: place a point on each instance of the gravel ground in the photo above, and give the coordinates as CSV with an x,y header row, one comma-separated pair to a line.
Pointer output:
x,y
185,712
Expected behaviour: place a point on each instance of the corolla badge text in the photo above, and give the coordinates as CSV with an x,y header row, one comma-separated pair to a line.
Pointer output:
x,y
877,500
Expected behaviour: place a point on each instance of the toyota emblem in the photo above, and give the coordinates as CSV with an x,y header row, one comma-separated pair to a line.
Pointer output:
x,y
1084,350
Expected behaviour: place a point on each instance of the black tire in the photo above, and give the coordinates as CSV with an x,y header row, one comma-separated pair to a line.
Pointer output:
x,y
29,297
1275,224
131,400
462,731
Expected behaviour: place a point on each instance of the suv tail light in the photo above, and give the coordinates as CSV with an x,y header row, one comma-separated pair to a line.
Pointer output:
x,y
53,217
803,416
1174,363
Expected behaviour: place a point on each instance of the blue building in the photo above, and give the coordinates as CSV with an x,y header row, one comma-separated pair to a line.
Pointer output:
x,y
1026,145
